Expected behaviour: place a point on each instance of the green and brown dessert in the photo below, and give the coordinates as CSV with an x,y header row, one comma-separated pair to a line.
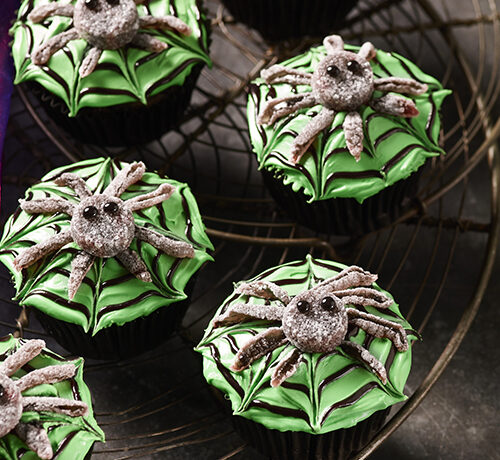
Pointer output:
x,y
112,72
341,131
45,406
310,355
105,253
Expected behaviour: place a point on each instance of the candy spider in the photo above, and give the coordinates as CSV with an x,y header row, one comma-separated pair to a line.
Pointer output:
x,y
105,25
342,82
102,225
314,321
13,403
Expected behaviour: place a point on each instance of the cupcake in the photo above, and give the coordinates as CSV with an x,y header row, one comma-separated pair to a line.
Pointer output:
x,y
105,255
111,72
310,356
45,406
278,20
340,133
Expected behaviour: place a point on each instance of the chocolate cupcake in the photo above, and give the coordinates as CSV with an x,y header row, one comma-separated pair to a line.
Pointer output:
x,y
340,133
45,406
278,20
111,72
309,355
105,255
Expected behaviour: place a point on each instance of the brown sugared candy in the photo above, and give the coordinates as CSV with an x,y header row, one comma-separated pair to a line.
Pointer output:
x,y
13,403
314,321
102,225
105,25
342,82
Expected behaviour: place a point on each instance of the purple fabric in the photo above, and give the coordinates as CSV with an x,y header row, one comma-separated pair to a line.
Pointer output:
x,y
7,8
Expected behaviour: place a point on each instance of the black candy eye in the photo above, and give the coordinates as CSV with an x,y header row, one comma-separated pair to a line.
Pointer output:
x,y
354,66
91,4
303,306
113,2
111,208
328,304
333,71
90,212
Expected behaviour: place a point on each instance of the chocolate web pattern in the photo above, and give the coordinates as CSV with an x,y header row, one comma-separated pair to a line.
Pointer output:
x,y
230,334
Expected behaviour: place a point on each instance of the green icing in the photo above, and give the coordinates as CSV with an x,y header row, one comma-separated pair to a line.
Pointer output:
x,y
110,294
71,437
305,396
122,76
393,147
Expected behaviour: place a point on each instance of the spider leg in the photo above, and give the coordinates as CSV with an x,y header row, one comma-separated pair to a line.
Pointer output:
x,y
360,353
129,175
47,206
379,327
367,51
149,43
333,43
36,438
350,277
90,61
258,346
134,264
364,296
302,142
353,132
51,374
264,290
21,356
164,22
279,107
80,266
162,193
57,405
167,245
391,104
281,74
241,312
286,367
400,85
75,182
52,9
30,255
43,53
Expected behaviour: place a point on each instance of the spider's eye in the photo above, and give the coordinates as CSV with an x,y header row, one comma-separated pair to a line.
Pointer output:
x,y
2,391
111,207
333,71
113,2
303,306
328,304
354,67
90,212
91,4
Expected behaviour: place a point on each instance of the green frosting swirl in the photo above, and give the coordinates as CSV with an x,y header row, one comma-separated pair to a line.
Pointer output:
x,y
329,391
122,76
109,294
71,437
393,147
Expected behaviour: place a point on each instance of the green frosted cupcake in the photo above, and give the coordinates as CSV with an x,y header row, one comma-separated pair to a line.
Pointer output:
x,y
109,71
309,355
340,133
105,254
45,406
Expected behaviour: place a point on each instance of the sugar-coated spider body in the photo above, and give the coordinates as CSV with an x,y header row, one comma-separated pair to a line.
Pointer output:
x,y
314,321
343,81
102,225
13,403
105,25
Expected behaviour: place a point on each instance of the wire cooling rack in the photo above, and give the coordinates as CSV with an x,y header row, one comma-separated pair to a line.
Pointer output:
x,y
436,260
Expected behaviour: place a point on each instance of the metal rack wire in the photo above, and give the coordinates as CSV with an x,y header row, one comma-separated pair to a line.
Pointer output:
x,y
420,258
